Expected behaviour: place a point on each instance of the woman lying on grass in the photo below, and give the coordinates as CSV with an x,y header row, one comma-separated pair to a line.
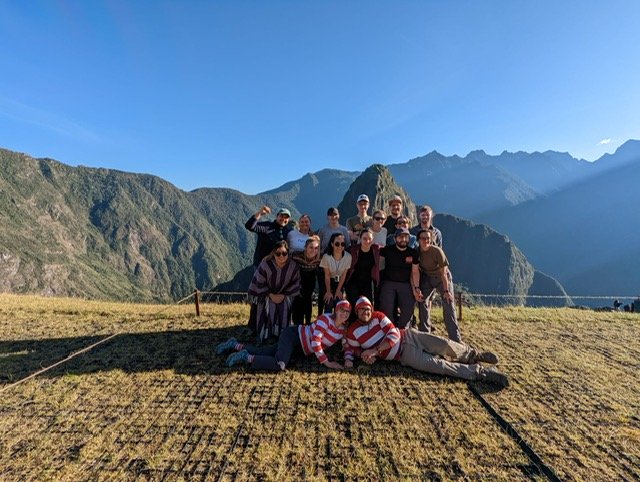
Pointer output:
x,y
309,339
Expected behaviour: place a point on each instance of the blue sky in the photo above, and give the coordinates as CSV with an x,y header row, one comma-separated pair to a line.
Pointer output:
x,y
249,95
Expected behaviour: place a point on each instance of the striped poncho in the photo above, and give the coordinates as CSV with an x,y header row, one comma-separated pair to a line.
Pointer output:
x,y
268,279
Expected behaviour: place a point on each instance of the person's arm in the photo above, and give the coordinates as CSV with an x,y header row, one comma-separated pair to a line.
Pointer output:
x,y
253,220
327,285
317,336
343,277
447,295
415,282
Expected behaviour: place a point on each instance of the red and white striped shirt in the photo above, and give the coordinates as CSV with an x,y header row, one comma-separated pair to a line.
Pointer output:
x,y
361,336
319,335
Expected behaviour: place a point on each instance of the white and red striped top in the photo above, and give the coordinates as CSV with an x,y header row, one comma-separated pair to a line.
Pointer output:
x,y
319,335
361,336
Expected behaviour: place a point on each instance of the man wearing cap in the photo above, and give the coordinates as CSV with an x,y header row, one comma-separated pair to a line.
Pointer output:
x,y
426,220
374,337
399,278
361,220
333,226
269,232
402,223
395,211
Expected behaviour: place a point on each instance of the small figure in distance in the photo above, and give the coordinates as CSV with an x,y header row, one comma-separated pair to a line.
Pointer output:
x,y
327,330
374,337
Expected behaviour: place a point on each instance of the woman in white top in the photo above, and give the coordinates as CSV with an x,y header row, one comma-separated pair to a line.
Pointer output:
x,y
298,237
335,263
379,231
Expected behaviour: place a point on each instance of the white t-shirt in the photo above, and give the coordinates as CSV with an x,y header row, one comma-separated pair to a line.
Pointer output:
x,y
296,240
380,238
336,268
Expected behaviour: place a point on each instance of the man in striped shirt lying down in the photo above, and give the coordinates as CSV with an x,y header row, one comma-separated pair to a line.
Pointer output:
x,y
308,339
374,337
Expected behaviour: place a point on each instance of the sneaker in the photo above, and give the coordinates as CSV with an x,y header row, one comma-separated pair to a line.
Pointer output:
x,y
237,358
493,376
226,346
487,357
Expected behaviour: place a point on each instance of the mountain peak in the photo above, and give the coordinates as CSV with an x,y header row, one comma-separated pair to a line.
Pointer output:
x,y
377,183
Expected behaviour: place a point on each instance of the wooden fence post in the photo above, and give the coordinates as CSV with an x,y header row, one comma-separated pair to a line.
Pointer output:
x,y
197,300
459,296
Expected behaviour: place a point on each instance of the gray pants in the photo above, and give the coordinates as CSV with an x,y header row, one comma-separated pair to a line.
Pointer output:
x,y
390,291
434,354
427,285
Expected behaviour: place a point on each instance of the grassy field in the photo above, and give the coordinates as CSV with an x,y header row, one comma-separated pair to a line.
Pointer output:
x,y
155,403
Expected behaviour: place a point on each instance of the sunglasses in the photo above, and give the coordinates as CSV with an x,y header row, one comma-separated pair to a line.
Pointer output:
x,y
280,254
340,244
377,218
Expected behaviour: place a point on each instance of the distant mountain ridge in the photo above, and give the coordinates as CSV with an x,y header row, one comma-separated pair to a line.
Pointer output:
x,y
106,233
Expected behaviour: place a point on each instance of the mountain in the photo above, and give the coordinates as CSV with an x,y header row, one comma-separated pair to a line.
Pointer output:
x,y
586,234
377,183
101,233
315,192
487,262
482,260
481,183
106,233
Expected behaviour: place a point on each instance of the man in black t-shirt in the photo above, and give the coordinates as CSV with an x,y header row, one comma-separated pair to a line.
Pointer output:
x,y
400,279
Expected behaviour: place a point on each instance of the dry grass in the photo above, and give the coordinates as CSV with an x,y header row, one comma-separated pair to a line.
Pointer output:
x,y
154,403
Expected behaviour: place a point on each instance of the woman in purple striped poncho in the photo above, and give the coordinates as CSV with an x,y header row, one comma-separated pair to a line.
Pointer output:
x,y
274,285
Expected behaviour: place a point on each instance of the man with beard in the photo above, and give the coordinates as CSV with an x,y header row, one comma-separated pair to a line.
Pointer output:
x,y
395,211
426,222
400,279
374,337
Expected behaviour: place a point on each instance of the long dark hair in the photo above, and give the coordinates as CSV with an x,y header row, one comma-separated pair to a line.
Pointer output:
x,y
329,249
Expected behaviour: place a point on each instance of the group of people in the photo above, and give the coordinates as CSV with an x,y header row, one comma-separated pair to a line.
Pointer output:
x,y
376,264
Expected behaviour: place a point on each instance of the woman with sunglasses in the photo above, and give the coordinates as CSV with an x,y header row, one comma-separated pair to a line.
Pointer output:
x,y
327,330
309,263
378,229
335,263
274,285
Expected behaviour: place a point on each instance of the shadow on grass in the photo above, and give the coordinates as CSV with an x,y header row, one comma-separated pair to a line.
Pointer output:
x,y
184,351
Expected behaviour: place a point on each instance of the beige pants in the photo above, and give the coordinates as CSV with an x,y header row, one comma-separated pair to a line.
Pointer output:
x,y
441,356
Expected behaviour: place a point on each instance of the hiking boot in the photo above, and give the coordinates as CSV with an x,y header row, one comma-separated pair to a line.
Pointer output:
x,y
237,358
493,376
486,357
226,346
